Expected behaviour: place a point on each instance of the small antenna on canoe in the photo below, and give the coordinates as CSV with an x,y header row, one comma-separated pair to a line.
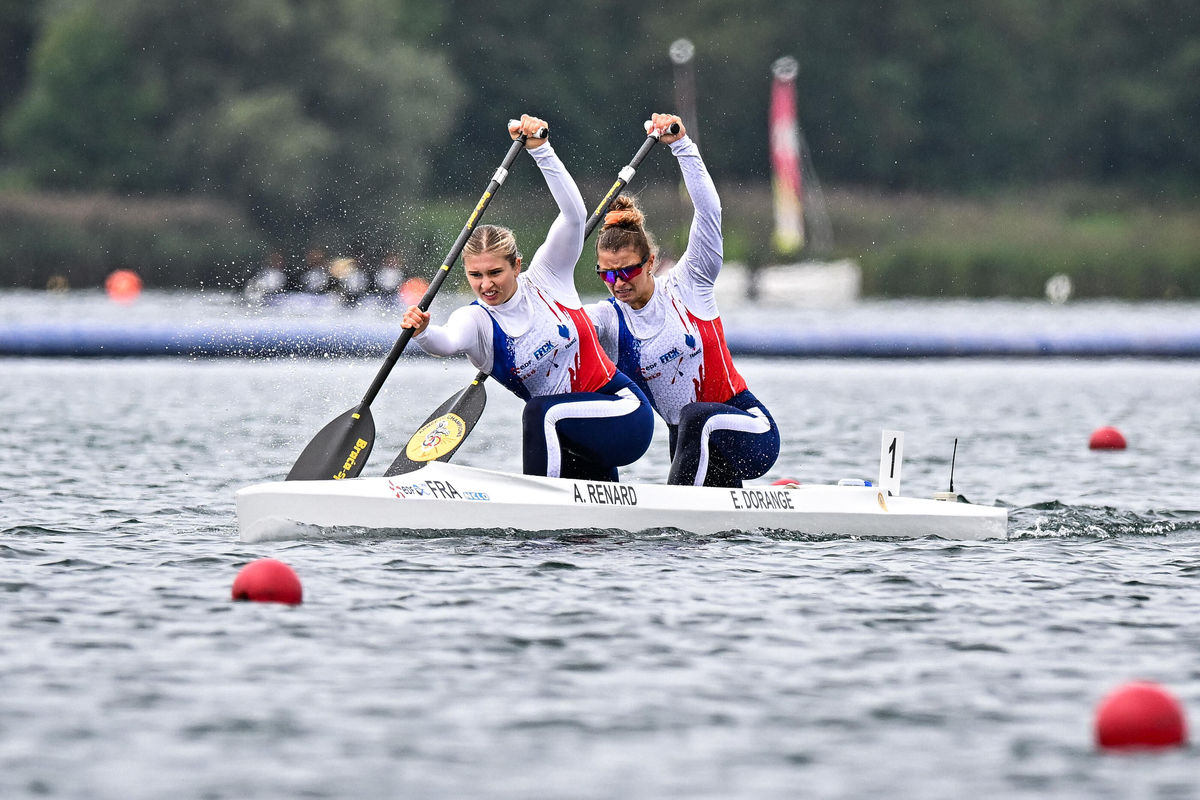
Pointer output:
x,y
953,455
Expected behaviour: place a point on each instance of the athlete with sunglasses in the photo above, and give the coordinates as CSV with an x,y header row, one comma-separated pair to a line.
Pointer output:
x,y
528,330
666,334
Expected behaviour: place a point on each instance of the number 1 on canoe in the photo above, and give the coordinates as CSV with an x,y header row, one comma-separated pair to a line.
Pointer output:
x,y
891,456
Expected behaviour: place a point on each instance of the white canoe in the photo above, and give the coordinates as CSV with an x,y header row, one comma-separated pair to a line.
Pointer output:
x,y
447,497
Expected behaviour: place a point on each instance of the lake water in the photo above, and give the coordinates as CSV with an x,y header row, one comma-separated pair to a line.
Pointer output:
x,y
594,666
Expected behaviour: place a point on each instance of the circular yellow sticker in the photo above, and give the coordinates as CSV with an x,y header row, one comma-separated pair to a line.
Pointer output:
x,y
436,438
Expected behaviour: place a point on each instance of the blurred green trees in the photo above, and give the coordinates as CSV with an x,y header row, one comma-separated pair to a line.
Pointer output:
x,y
87,117
325,119
285,97
314,115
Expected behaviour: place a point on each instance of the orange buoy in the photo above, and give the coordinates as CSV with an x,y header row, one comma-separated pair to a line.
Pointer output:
x,y
268,581
413,290
1106,438
1141,715
123,286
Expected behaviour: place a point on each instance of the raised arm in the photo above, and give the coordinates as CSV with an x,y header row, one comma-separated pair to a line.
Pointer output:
x,y
553,265
705,251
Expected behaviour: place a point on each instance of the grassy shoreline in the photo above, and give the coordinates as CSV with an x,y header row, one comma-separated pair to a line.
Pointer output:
x,y
1111,242
1011,243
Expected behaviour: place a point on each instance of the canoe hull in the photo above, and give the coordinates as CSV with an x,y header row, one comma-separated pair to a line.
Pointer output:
x,y
448,497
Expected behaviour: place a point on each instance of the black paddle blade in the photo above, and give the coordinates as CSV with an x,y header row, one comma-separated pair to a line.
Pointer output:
x,y
339,451
445,429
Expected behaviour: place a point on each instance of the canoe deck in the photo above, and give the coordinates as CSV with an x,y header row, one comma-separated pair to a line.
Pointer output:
x,y
449,497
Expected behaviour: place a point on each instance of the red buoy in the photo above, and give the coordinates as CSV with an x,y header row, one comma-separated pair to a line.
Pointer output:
x,y
786,482
123,285
1106,438
1140,715
267,581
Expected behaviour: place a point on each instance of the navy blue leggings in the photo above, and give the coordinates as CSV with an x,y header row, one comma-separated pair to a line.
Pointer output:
x,y
587,435
722,444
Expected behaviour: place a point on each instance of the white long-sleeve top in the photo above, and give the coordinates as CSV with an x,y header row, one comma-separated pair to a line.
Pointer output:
x,y
539,341
674,346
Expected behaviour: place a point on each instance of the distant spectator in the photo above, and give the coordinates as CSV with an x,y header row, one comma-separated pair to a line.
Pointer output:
x,y
315,278
389,277
268,281
348,281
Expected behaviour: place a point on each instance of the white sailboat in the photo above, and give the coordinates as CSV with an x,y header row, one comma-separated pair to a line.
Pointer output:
x,y
802,228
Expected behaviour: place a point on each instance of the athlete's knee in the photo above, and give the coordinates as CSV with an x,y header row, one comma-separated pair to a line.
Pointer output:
x,y
535,409
758,455
641,430
691,413
692,418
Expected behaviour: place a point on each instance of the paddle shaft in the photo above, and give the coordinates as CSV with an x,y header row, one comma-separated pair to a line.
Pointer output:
x,y
624,177
440,277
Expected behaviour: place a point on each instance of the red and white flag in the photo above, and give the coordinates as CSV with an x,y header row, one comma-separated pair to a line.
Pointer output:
x,y
785,158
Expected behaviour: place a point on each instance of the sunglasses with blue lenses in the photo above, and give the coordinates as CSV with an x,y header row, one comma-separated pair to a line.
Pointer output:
x,y
624,273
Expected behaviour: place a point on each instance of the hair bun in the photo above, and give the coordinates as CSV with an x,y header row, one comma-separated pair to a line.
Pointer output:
x,y
625,227
624,213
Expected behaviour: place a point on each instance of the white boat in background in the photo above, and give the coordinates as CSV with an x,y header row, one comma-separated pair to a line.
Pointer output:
x,y
447,497
803,275
807,284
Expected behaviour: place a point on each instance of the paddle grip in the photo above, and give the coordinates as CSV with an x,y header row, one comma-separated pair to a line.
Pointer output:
x,y
542,132
671,130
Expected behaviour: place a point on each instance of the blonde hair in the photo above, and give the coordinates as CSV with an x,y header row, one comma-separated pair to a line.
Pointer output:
x,y
624,227
492,239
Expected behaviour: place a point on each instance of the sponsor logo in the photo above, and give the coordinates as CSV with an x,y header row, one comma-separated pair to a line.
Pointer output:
x,y
436,438
671,356
350,459
650,371
543,350
761,499
606,494
478,209
406,490
440,489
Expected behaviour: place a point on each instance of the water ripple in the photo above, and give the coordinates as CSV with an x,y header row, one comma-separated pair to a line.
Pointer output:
x,y
593,664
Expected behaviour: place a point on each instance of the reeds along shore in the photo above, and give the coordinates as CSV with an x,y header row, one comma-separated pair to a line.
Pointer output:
x,y
1112,243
